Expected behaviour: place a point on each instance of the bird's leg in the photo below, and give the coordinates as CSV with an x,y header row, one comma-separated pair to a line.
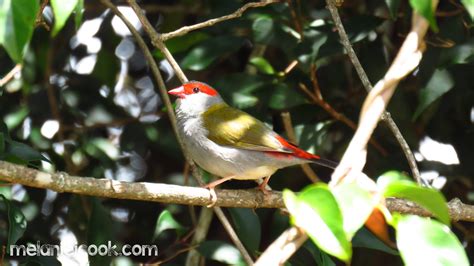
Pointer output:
x,y
211,187
263,186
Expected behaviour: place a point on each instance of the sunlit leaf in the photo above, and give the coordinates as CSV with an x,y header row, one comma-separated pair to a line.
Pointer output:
x,y
315,210
247,226
17,21
423,241
356,204
221,251
440,83
425,8
428,198
262,65
469,5
62,9
165,222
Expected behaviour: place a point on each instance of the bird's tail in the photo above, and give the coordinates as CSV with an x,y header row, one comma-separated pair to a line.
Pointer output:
x,y
325,162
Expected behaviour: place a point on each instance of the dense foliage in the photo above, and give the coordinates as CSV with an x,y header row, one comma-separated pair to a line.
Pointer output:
x,y
84,102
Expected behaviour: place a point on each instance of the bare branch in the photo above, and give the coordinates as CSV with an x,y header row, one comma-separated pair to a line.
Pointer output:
x,y
184,30
200,234
407,59
283,247
174,194
368,86
10,74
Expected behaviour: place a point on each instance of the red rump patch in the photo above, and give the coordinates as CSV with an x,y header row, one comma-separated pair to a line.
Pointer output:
x,y
295,151
196,87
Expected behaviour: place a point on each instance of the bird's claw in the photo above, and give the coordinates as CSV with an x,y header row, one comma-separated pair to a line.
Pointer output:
x,y
213,197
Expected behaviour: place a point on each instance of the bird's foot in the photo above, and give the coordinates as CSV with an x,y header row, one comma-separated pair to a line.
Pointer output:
x,y
213,194
263,187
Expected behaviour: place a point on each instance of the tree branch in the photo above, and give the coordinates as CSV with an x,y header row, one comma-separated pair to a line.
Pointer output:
x,y
283,247
374,106
386,117
174,194
184,30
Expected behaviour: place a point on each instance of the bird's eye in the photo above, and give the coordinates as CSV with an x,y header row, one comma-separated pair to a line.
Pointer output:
x,y
195,89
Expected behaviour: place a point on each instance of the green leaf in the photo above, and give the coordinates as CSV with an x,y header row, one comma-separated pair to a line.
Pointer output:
x,y
262,65
315,210
366,239
284,97
182,43
14,119
440,83
263,28
425,8
204,54
247,226
17,21
393,6
461,53
356,204
100,230
16,222
165,222
469,5
79,10
62,9
2,144
321,258
423,241
428,198
221,251
24,152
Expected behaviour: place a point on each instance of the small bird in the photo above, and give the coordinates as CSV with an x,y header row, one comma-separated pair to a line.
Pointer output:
x,y
230,143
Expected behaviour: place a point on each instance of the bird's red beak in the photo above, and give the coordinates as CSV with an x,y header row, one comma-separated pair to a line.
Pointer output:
x,y
178,92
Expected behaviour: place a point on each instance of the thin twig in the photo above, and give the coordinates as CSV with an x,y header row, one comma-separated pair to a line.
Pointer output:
x,y
336,115
162,47
233,235
200,234
407,59
184,30
386,117
10,74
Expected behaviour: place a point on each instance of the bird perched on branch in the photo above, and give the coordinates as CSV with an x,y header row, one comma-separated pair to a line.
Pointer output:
x,y
230,143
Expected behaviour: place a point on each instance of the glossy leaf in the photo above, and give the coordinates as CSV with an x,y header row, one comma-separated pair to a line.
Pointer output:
x,y
16,221
315,210
17,21
428,198
79,10
440,83
62,9
204,54
165,222
262,65
263,28
285,97
247,226
24,152
423,241
100,229
221,251
356,204
425,8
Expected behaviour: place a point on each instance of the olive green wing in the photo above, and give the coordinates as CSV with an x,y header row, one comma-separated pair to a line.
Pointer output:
x,y
228,126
